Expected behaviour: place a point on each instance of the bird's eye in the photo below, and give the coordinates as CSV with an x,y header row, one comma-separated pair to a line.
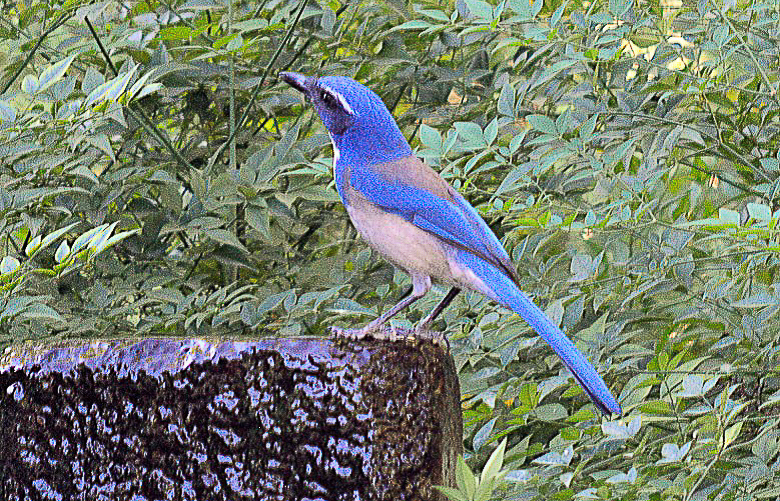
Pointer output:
x,y
328,99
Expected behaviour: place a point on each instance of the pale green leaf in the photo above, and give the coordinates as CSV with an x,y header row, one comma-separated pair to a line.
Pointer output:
x,y
83,239
54,73
728,216
9,264
465,479
7,112
62,251
759,212
51,237
32,245
494,463
30,84
506,100
111,90
417,24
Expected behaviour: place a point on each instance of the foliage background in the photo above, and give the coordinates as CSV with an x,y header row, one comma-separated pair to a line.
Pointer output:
x,y
156,178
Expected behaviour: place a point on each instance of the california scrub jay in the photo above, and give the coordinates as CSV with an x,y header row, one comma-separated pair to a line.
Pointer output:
x,y
410,215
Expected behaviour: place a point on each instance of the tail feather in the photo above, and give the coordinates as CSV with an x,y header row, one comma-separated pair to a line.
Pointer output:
x,y
501,288
583,371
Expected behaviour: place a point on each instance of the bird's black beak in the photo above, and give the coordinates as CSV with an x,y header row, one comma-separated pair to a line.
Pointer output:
x,y
296,80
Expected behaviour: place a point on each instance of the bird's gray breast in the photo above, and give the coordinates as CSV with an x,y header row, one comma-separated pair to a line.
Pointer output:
x,y
399,241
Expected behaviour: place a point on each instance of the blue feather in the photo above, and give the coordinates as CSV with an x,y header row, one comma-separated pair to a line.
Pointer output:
x,y
504,291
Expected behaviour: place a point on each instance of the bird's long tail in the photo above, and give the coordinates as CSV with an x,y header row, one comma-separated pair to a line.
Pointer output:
x,y
503,289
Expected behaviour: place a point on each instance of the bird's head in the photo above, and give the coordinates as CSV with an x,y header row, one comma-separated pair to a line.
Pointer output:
x,y
359,123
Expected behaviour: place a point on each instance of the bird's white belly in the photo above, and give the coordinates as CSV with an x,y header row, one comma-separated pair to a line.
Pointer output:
x,y
401,242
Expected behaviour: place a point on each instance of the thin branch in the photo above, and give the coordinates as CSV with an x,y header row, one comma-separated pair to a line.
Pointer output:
x,y
59,22
258,88
764,76
144,119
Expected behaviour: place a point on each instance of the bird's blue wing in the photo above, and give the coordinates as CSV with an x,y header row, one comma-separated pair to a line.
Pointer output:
x,y
413,190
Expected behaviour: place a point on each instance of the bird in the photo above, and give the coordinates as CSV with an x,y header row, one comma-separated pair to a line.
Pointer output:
x,y
411,216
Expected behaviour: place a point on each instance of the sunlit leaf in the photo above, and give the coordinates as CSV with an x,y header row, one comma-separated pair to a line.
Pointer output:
x,y
54,73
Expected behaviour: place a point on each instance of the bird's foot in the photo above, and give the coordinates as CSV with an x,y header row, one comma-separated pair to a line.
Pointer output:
x,y
390,333
422,331
339,332
383,333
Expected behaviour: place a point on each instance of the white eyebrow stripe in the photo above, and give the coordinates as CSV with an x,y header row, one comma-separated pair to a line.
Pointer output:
x,y
343,102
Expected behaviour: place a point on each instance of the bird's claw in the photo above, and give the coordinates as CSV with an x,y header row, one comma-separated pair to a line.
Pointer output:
x,y
435,337
383,333
391,333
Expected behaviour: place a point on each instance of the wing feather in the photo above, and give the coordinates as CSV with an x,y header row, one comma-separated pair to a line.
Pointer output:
x,y
412,189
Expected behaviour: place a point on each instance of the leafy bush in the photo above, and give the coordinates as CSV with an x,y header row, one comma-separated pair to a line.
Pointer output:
x,y
156,180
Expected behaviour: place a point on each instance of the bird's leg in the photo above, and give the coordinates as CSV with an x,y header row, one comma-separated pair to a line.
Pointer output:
x,y
422,328
421,284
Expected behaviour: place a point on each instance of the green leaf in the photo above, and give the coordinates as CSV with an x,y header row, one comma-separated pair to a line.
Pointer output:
x,y
417,24
62,251
317,193
471,133
517,141
250,25
283,146
556,17
83,239
760,300
430,137
259,219
175,33
7,112
235,43
770,164
453,494
587,128
465,479
590,218
435,14
728,216
101,142
516,178
225,237
16,305
481,9
491,131
32,245
543,123
552,72
39,310
759,212
271,302
115,240
672,453
506,100
138,85
482,435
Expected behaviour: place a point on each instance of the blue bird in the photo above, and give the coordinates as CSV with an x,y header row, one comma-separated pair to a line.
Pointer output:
x,y
408,213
